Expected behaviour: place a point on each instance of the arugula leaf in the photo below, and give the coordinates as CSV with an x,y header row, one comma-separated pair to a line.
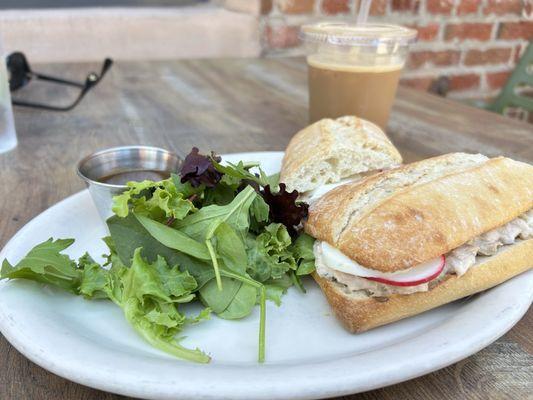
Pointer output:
x,y
240,171
259,212
45,263
271,180
163,251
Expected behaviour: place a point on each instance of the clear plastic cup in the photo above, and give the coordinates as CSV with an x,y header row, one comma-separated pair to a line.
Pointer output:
x,y
354,69
8,136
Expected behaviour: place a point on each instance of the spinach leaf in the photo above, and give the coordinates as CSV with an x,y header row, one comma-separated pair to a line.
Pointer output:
x,y
236,214
128,234
230,248
173,238
218,300
242,303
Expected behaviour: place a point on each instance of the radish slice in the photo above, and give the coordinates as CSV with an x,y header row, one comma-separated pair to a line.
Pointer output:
x,y
401,280
422,273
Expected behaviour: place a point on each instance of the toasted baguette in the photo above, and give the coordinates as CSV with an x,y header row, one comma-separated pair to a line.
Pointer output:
x,y
359,312
403,217
330,150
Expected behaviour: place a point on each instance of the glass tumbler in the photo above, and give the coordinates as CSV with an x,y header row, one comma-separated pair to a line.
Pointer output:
x,y
8,136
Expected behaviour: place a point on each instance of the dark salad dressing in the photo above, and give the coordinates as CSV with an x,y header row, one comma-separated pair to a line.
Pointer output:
x,y
121,178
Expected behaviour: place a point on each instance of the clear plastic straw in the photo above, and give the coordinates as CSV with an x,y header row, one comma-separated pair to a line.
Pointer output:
x,y
364,9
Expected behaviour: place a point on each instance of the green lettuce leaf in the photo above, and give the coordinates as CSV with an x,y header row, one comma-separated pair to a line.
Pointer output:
x,y
269,255
302,250
156,200
150,304
276,288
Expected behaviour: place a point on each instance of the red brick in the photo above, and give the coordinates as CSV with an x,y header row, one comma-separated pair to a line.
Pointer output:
x,y
282,37
427,33
417,83
503,7
467,7
439,6
497,80
516,30
477,31
490,56
378,7
405,5
464,82
332,7
440,58
296,6
266,7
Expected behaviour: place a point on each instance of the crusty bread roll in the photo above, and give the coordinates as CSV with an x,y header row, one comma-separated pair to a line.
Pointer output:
x,y
398,219
406,216
332,149
359,312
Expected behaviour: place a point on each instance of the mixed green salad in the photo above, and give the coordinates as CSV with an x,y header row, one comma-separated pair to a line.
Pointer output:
x,y
218,234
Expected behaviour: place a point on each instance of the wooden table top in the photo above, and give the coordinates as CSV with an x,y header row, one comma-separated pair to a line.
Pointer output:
x,y
233,106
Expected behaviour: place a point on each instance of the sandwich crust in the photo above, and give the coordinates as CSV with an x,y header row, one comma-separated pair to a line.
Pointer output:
x,y
359,313
417,222
332,149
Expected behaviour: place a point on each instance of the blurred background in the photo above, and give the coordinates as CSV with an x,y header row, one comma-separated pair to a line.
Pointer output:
x,y
466,49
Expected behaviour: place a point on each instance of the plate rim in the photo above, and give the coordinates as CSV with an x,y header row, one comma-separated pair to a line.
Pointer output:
x,y
334,386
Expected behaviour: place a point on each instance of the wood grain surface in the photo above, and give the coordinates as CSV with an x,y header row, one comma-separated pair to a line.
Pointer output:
x,y
232,106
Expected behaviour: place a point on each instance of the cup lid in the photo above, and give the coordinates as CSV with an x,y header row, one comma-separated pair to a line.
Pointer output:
x,y
343,33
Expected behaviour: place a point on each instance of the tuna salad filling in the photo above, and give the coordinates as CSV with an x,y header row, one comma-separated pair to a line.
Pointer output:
x,y
457,261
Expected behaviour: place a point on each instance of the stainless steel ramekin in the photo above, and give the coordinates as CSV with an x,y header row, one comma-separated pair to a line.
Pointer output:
x,y
97,166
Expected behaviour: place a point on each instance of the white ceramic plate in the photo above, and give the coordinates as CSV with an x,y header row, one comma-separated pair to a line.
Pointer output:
x,y
309,355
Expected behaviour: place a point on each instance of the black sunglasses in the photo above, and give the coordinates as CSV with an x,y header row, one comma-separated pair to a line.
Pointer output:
x,y
20,74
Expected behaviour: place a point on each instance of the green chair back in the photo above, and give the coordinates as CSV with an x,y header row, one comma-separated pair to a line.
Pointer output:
x,y
521,76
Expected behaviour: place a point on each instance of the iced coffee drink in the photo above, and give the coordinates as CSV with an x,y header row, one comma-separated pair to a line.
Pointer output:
x,y
354,70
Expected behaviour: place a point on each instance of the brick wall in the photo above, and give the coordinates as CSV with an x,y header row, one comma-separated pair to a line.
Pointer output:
x,y
471,45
